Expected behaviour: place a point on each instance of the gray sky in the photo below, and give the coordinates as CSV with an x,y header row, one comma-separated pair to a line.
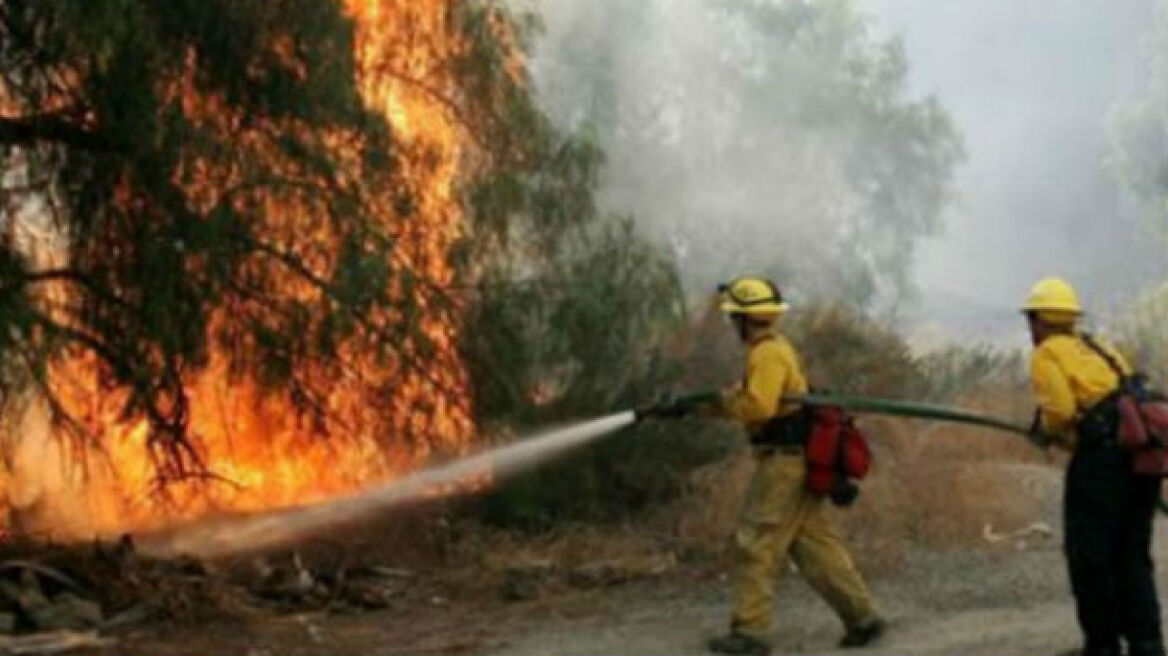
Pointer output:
x,y
1029,83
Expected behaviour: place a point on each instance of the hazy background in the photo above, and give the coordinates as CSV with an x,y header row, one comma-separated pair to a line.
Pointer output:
x,y
1027,84
1030,84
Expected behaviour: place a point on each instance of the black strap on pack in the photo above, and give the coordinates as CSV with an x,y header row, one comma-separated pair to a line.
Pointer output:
x,y
1099,423
1107,357
788,430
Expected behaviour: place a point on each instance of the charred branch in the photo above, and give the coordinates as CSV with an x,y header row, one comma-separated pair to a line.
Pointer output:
x,y
50,128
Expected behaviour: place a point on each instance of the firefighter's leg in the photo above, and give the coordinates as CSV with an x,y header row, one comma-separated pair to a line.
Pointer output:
x,y
1139,608
1089,512
824,561
769,520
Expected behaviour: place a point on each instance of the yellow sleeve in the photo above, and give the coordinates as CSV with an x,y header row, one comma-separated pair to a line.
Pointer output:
x,y
758,399
1056,402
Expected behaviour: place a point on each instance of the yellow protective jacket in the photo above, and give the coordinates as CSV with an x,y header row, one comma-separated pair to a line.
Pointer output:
x,y
772,372
781,521
1068,378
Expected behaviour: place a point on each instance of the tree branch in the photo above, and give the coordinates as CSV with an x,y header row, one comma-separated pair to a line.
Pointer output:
x,y
71,275
53,128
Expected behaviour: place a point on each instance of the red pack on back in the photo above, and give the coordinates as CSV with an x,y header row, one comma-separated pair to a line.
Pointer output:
x,y
857,455
836,450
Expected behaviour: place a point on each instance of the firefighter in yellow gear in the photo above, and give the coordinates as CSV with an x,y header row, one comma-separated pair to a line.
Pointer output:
x,y
1107,509
780,518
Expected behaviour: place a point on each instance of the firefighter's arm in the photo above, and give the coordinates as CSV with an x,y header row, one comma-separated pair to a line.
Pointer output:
x,y
758,399
1056,402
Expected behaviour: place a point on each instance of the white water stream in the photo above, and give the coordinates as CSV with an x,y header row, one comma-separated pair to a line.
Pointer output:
x,y
240,534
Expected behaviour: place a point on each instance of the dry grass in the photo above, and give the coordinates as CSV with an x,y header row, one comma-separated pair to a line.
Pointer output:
x,y
936,486
941,487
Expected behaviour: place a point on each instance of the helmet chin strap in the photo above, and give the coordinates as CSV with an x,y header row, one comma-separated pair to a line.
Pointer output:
x,y
746,326
1040,330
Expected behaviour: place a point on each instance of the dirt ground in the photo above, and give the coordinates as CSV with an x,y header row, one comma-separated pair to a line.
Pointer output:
x,y
947,604
1009,599
940,533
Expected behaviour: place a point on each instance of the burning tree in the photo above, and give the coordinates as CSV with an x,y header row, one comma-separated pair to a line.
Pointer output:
x,y
232,230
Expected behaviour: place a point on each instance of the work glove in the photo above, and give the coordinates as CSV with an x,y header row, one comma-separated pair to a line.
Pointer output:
x,y
667,406
1035,435
671,405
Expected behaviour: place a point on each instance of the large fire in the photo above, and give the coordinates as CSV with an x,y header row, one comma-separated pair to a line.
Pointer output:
x,y
260,453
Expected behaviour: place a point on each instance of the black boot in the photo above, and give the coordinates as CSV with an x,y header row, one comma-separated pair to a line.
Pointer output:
x,y
864,633
1103,651
739,644
1153,648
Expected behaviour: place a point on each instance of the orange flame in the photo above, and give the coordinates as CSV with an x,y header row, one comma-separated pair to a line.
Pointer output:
x,y
262,453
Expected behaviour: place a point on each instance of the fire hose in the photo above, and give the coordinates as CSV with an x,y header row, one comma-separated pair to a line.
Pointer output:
x,y
911,409
679,405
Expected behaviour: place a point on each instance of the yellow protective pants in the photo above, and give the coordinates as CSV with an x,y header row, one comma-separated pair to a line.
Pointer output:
x,y
779,518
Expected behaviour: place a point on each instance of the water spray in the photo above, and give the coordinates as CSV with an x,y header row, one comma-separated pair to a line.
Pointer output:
x,y
217,537
241,534
224,536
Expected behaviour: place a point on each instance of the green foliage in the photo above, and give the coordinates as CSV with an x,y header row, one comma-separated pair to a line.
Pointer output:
x,y
584,337
581,337
843,351
846,351
570,305
626,474
568,314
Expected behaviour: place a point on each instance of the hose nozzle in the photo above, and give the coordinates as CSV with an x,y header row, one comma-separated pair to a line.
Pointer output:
x,y
672,406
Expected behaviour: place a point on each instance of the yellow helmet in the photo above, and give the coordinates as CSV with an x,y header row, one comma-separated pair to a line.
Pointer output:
x,y
1055,301
757,297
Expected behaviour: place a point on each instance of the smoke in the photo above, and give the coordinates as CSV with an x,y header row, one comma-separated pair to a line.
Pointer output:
x,y
730,144
755,137
1030,84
